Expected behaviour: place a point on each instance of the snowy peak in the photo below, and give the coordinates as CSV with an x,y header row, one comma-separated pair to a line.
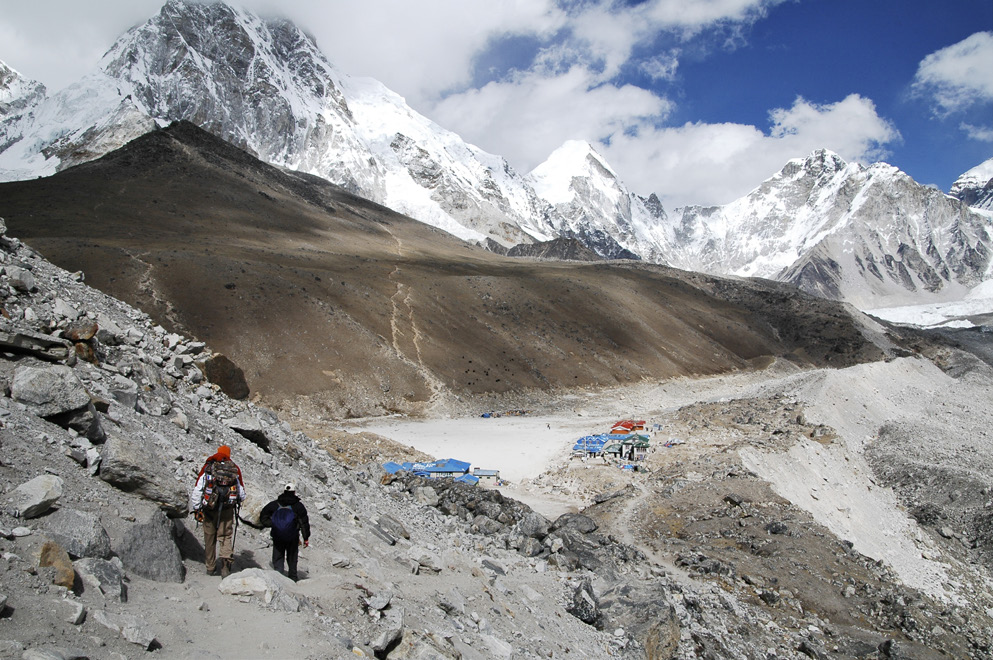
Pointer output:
x,y
217,51
265,86
975,187
17,92
594,206
556,179
868,235
260,84
821,163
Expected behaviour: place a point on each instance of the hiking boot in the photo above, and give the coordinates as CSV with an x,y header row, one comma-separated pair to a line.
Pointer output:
x,y
225,568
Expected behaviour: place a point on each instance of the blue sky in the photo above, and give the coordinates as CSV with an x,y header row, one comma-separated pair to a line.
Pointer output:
x,y
695,100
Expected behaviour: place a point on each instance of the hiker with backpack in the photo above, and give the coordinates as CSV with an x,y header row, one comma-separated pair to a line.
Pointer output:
x,y
287,517
215,499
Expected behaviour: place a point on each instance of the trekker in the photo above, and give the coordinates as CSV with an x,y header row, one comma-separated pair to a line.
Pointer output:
x,y
215,499
287,517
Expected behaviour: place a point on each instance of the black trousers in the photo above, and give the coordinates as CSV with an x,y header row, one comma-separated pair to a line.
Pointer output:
x,y
290,551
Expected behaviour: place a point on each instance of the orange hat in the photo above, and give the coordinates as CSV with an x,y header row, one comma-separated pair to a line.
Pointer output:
x,y
224,451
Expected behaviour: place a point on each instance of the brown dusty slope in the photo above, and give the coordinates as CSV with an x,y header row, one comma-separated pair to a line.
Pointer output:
x,y
330,301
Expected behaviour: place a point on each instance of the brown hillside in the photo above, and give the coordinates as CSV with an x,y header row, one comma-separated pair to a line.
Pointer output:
x,y
328,299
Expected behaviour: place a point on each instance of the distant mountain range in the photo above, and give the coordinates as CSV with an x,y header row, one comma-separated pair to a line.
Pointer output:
x,y
867,235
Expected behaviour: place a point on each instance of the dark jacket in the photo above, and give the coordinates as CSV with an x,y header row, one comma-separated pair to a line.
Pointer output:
x,y
287,498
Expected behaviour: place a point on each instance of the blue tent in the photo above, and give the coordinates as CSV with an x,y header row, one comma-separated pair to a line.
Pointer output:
x,y
468,479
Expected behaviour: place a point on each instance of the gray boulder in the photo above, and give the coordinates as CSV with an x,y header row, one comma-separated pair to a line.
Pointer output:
x,y
264,584
135,466
149,549
48,391
574,521
393,526
80,533
57,394
103,575
129,627
390,632
426,495
33,498
645,611
424,561
21,279
531,547
125,392
533,525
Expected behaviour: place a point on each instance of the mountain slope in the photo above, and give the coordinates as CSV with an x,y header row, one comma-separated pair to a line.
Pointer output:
x,y
263,85
17,93
322,295
398,566
870,236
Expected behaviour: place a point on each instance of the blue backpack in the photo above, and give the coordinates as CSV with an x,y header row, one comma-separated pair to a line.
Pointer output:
x,y
284,524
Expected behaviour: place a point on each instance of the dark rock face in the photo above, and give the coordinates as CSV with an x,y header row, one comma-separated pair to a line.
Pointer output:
x,y
570,249
149,549
220,370
585,605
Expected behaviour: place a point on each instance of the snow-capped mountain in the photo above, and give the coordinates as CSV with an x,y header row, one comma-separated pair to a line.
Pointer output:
x,y
869,235
975,187
17,92
264,85
595,207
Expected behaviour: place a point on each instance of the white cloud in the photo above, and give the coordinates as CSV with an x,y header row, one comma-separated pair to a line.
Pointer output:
x,y
713,164
978,133
419,49
59,41
958,76
532,114
661,67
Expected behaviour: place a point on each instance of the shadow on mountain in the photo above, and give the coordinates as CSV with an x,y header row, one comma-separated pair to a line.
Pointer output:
x,y
332,302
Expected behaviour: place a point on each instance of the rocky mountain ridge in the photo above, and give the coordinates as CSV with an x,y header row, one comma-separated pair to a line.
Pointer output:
x,y
264,85
364,312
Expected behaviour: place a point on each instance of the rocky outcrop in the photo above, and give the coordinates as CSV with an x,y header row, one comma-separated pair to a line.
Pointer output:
x,y
135,465
570,249
80,533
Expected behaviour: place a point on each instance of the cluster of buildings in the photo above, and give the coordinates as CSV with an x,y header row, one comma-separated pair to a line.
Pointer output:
x,y
627,441
448,468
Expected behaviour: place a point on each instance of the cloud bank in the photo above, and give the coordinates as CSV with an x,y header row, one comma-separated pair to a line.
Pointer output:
x,y
959,76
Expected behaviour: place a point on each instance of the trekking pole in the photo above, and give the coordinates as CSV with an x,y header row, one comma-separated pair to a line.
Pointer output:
x,y
234,535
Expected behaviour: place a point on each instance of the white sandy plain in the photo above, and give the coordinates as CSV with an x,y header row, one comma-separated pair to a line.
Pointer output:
x,y
834,483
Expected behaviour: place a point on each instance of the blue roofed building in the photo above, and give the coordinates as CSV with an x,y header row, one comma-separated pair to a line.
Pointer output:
x,y
440,469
